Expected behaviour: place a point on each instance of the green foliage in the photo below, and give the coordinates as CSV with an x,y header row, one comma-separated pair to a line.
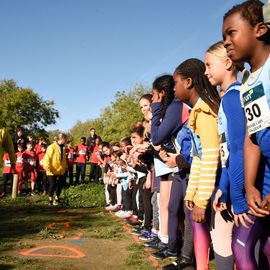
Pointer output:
x,y
115,120
23,107
85,196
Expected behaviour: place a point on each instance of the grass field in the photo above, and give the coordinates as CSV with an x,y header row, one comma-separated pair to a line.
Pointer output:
x,y
36,236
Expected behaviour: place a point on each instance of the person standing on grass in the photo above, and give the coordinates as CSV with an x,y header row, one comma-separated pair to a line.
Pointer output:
x,y
55,165
91,140
82,157
95,161
70,161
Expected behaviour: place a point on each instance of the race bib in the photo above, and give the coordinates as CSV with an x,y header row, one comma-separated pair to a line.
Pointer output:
x,y
224,152
82,152
19,159
70,155
256,109
7,163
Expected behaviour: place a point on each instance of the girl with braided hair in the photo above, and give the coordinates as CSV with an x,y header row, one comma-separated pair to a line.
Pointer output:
x,y
193,88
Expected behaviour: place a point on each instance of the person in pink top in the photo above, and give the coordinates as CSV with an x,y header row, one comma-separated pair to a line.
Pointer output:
x,y
95,170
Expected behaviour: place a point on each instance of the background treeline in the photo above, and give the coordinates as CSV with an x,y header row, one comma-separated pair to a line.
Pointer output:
x,y
23,107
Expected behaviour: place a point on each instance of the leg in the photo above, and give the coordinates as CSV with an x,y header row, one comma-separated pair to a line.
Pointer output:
x,y
83,165
52,184
202,241
78,171
165,190
243,245
155,211
70,174
176,197
147,207
221,234
59,185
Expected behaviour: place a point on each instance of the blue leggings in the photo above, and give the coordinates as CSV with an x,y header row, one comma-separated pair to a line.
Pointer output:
x,y
244,241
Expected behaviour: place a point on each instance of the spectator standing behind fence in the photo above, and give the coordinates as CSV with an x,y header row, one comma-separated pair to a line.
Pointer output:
x,y
55,164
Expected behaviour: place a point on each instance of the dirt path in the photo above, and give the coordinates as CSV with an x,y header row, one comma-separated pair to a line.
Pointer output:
x,y
79,239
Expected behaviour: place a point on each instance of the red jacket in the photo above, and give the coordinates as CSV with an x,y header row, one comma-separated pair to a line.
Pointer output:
x,y
40,161
37,148
7,164
82,152
19,160
70,156
29,159
95,154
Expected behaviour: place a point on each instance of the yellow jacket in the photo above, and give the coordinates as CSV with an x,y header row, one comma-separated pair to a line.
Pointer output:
x,y
6,145
52,161
203,122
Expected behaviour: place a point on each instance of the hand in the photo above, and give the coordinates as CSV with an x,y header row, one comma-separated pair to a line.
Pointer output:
x,y
189,205
254,202
266,202
198,214
171,160
219,206
244,220
129,185
148,183
162,154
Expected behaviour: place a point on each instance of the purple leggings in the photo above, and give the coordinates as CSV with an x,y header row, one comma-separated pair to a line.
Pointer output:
x,y
244,241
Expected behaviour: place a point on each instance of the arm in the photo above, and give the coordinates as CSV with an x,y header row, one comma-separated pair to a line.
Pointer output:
x,y
252,156
233,110
209,160
160,131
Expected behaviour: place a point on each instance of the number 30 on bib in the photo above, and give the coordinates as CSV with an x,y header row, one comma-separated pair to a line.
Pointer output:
x,y
256,109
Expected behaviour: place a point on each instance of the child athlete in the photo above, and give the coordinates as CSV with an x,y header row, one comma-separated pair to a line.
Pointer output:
x,y
221,71
246,38
193,88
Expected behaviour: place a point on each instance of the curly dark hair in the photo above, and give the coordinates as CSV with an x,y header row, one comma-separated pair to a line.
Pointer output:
x,y
194,68
250,10
165,83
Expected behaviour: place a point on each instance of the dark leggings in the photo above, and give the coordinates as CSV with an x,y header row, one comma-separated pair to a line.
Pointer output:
x,y
56,183
134,201
70,174
112,191
141,205
80,170
147,195
95,172
6,178
176,207
42,184
244,241
129,192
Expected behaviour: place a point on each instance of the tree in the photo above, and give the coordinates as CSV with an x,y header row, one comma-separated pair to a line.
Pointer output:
x,y
123,113
22,107
116,120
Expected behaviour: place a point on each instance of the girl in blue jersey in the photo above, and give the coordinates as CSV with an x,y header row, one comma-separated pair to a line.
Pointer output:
x,y
246,38
221,71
